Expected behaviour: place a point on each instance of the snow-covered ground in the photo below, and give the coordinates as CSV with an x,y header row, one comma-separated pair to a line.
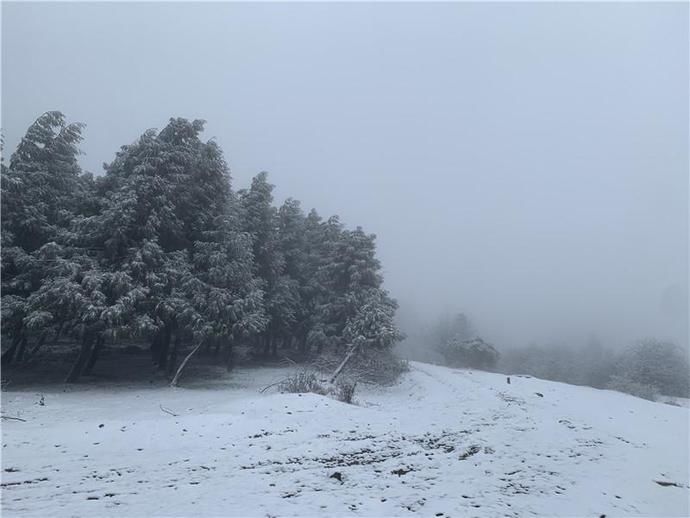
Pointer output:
x,y
442,442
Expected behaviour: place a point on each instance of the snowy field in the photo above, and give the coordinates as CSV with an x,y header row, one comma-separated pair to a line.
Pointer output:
x,y
442,442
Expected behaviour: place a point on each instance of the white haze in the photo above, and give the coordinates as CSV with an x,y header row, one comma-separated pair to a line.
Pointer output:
x,y
524,163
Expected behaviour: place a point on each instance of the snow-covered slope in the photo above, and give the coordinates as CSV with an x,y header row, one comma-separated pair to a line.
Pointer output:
x,y
442,442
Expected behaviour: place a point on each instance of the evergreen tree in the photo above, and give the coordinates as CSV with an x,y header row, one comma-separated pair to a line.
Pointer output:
x,y
474,353
656,364
260,220
40,184
39,189
161,196
224,292
161,249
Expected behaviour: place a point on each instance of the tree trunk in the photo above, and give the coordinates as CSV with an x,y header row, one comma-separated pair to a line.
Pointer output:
x,y
20,352
8,355
302,339
165,347
39,344
93,357
217,341
266,345
174,381
229,357
156,345
78,365
349,355
172,365
59,331
274,347
207,347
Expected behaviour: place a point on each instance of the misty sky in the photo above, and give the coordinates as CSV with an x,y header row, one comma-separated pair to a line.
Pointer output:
x,y
524,163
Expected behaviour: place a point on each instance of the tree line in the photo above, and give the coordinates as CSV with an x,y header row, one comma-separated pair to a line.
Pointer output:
x,y
161,249
648,368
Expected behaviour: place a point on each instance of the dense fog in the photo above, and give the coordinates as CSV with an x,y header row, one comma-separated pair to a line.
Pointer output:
x,y
541,188
344,259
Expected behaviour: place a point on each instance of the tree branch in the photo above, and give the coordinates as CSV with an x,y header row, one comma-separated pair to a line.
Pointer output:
x,y
168,411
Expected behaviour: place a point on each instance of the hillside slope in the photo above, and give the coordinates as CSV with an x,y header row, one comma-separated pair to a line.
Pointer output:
x,y
442,442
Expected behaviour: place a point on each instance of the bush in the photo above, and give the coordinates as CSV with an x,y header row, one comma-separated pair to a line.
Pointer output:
x,y
634,388
307,381
302,382
344,391
377,366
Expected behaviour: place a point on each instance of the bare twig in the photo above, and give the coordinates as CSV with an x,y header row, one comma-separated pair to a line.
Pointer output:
x,y
271,385
168,411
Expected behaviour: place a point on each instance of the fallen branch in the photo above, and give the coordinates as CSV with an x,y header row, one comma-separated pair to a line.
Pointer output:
x,y
14,418
168,411
665,483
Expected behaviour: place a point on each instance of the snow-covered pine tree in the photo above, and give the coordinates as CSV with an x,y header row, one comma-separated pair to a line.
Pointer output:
x,y
297,277
260,221
161,195
41,182
39,190
160,248
224,291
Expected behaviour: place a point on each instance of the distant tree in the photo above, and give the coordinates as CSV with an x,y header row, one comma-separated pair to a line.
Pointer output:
x,y
474,353
646,369
591,364
458,327
597,363
629,386
657,364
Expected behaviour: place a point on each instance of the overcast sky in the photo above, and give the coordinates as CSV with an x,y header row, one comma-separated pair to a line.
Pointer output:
x,y
524,163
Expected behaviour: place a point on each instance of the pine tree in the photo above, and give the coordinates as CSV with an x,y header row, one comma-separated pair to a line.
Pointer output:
x,y
41,181
162,195
38,194
259,219
161,249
